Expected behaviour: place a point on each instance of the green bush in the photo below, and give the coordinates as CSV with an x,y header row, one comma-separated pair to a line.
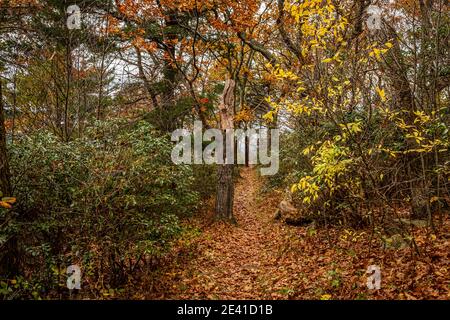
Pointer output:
x,y
107,201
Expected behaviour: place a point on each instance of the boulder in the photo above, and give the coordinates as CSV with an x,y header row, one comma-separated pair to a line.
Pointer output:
x,y
290,215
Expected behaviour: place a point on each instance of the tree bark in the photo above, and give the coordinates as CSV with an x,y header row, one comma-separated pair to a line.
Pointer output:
x,y
225,183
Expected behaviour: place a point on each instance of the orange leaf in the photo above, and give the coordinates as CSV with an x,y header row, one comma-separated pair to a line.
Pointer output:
x,y
5,205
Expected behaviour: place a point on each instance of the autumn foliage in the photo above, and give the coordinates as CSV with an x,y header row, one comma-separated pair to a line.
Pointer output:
x,y
86,176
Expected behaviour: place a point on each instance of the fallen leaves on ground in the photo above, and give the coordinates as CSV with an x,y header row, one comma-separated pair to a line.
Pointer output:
x,y
263,259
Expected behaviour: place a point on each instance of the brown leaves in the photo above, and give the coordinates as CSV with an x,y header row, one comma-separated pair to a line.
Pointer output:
x,y
262,259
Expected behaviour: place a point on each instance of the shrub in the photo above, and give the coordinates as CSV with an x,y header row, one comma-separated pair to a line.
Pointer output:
x,y
107,201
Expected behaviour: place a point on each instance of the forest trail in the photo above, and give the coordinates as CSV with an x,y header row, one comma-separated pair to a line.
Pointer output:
x,y
260,258
243,261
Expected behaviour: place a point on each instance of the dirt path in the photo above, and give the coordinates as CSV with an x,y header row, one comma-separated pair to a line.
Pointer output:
x,y
264,259
243,261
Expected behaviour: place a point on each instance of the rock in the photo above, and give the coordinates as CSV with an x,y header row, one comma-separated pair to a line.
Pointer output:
x,y
286,207
289,214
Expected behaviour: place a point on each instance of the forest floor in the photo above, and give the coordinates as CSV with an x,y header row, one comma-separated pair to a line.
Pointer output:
x,y
260,258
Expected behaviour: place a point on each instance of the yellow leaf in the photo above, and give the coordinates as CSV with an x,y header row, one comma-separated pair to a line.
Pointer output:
x,y
10,200
382,94
294,188
268,116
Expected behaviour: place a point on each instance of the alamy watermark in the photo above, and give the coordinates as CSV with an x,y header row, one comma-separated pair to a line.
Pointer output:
x,y
74,277
374,20
74,18
374,278
228,147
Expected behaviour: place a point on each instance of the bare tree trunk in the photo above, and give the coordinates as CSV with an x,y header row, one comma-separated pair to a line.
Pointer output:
x,y
247,147
225,183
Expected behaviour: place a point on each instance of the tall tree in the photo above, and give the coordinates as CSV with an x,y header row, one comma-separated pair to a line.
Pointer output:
x,y
225,183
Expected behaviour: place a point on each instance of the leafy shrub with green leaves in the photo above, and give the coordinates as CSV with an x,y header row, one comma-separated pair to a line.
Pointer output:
x,y
107,202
